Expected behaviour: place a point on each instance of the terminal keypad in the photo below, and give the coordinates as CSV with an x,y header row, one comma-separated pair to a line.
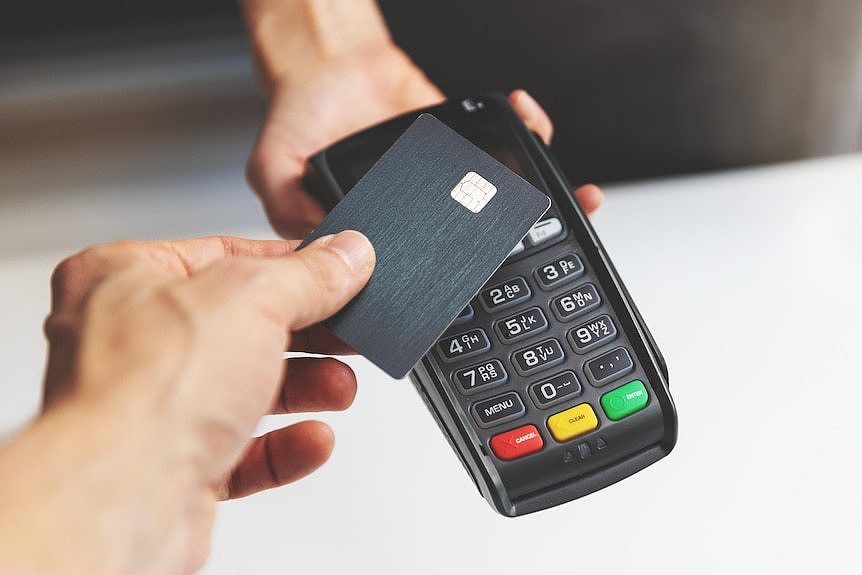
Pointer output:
x,y
554,372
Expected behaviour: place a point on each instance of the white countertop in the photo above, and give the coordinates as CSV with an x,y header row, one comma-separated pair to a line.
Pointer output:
x,y
751,283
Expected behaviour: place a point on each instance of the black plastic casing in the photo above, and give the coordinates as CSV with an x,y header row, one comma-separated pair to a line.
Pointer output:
x,y
545,479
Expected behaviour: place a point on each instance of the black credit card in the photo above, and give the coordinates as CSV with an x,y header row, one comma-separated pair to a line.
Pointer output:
x,y
442,216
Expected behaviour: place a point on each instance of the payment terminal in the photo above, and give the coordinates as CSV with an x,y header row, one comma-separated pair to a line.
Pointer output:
x,y
548,385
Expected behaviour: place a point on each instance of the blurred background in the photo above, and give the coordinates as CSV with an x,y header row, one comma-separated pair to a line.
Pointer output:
x,y
105,99
97,96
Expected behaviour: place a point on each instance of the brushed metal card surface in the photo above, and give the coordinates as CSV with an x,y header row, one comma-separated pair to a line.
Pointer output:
x,y
433,253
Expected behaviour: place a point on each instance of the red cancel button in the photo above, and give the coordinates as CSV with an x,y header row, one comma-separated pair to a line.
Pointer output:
x,y
517,443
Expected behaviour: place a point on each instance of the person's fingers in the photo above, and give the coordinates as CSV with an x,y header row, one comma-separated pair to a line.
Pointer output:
x,y
532,114
295,291
197,253
318,339
76,276
320,279
275,174
315,384
590,197
277,458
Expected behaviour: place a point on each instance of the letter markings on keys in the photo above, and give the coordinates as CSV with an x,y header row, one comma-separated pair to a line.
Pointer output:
x,y
560,270
517,443
498,409
505,294
539,356
573,422
625,400
592,334
576,302
481,377
462,345
521,325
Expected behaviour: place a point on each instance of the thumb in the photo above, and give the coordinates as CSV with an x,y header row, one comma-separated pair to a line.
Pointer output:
x,y
294,290
320,279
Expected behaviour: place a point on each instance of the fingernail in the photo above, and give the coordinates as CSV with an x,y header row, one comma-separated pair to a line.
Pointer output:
x,y
354,248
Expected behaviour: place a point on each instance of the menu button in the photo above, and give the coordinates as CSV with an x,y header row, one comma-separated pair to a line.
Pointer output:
x,y
496,410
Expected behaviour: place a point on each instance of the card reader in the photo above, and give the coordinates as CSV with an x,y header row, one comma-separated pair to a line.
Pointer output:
x,y
548,385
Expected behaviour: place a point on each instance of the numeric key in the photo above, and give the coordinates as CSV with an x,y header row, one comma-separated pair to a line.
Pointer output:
x,y
480,377
463,345
576,302
592,334
539,356
505,294
555,389
521,325
560,270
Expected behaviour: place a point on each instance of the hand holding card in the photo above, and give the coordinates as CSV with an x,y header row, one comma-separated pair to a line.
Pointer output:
x,y
442,216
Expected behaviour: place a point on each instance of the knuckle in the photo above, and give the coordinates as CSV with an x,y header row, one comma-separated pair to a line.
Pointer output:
x,y
58,326
74,272
99,256
254,170
66,273
111,250
272,190
264,167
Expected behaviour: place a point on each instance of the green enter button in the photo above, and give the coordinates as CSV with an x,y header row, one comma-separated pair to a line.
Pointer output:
x,y
625,400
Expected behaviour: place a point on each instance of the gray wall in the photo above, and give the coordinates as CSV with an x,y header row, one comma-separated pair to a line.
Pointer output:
x,y
647,88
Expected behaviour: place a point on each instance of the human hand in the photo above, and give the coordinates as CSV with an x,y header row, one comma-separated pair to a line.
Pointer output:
x,y
163,358
329,72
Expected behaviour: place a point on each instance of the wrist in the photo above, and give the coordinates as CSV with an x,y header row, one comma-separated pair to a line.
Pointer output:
x,y
290,37
87,489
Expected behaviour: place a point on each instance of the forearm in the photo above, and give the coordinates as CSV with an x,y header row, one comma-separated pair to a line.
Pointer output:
x,y
86,489
290,36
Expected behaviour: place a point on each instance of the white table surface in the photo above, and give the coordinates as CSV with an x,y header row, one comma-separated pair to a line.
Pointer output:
x,y
751,283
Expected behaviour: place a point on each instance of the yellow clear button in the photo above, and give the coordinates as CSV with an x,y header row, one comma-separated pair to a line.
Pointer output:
x,y
573,422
